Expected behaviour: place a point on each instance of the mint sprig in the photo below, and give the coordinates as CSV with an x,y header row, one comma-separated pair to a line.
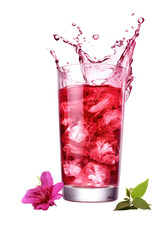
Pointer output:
x,y
134,198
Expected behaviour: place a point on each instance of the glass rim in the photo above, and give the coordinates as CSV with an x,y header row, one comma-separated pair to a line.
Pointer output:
x,y
90,64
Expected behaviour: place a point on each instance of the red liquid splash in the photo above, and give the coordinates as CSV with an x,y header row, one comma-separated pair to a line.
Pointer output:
x,y
123,53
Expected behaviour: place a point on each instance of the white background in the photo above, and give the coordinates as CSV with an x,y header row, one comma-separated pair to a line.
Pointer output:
x,y
29,134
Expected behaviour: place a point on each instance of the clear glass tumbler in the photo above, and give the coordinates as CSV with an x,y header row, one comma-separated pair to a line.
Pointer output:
x,y
91,110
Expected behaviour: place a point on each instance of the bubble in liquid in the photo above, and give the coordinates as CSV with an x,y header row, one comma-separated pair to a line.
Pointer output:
x,y
56,37
73,24
95,36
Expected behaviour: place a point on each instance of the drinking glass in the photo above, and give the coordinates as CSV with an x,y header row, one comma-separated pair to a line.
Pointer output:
x,y
91,110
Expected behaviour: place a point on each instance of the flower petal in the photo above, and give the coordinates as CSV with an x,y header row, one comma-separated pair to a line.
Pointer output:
x,y
43,206
51,202
32,195
57,196
46,179
56,188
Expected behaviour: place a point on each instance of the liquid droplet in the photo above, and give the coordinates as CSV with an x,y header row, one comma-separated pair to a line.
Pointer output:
x,y
73,24
140,20
137,33
79,29
56,37
95,36
65,41
52,52
132,14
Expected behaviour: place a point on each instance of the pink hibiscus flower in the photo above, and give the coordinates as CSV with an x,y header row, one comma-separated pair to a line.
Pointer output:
x,y
44,196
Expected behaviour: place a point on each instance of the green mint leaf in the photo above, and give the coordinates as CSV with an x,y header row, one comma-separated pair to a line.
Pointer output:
x,y
126,198
133,207
136,194
130,189
140,203
129,208
139,190
122,205
128,193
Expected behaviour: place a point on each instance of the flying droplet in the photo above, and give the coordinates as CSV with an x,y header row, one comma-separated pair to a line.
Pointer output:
x,y
65,40
95,36
56,37
141,20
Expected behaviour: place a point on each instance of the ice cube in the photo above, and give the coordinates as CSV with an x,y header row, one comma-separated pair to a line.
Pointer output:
x,y
103,152
99,106
96,174
104,101
73,149
92,175
109,122
78,132
112,115
71,168
70,111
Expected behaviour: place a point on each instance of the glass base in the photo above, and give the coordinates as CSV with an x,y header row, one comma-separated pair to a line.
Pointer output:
x,y
86,194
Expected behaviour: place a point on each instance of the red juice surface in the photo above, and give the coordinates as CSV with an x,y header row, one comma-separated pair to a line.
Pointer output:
x,y
90,126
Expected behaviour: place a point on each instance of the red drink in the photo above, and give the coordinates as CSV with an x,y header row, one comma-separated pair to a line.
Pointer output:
x,y
90,124
91,106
